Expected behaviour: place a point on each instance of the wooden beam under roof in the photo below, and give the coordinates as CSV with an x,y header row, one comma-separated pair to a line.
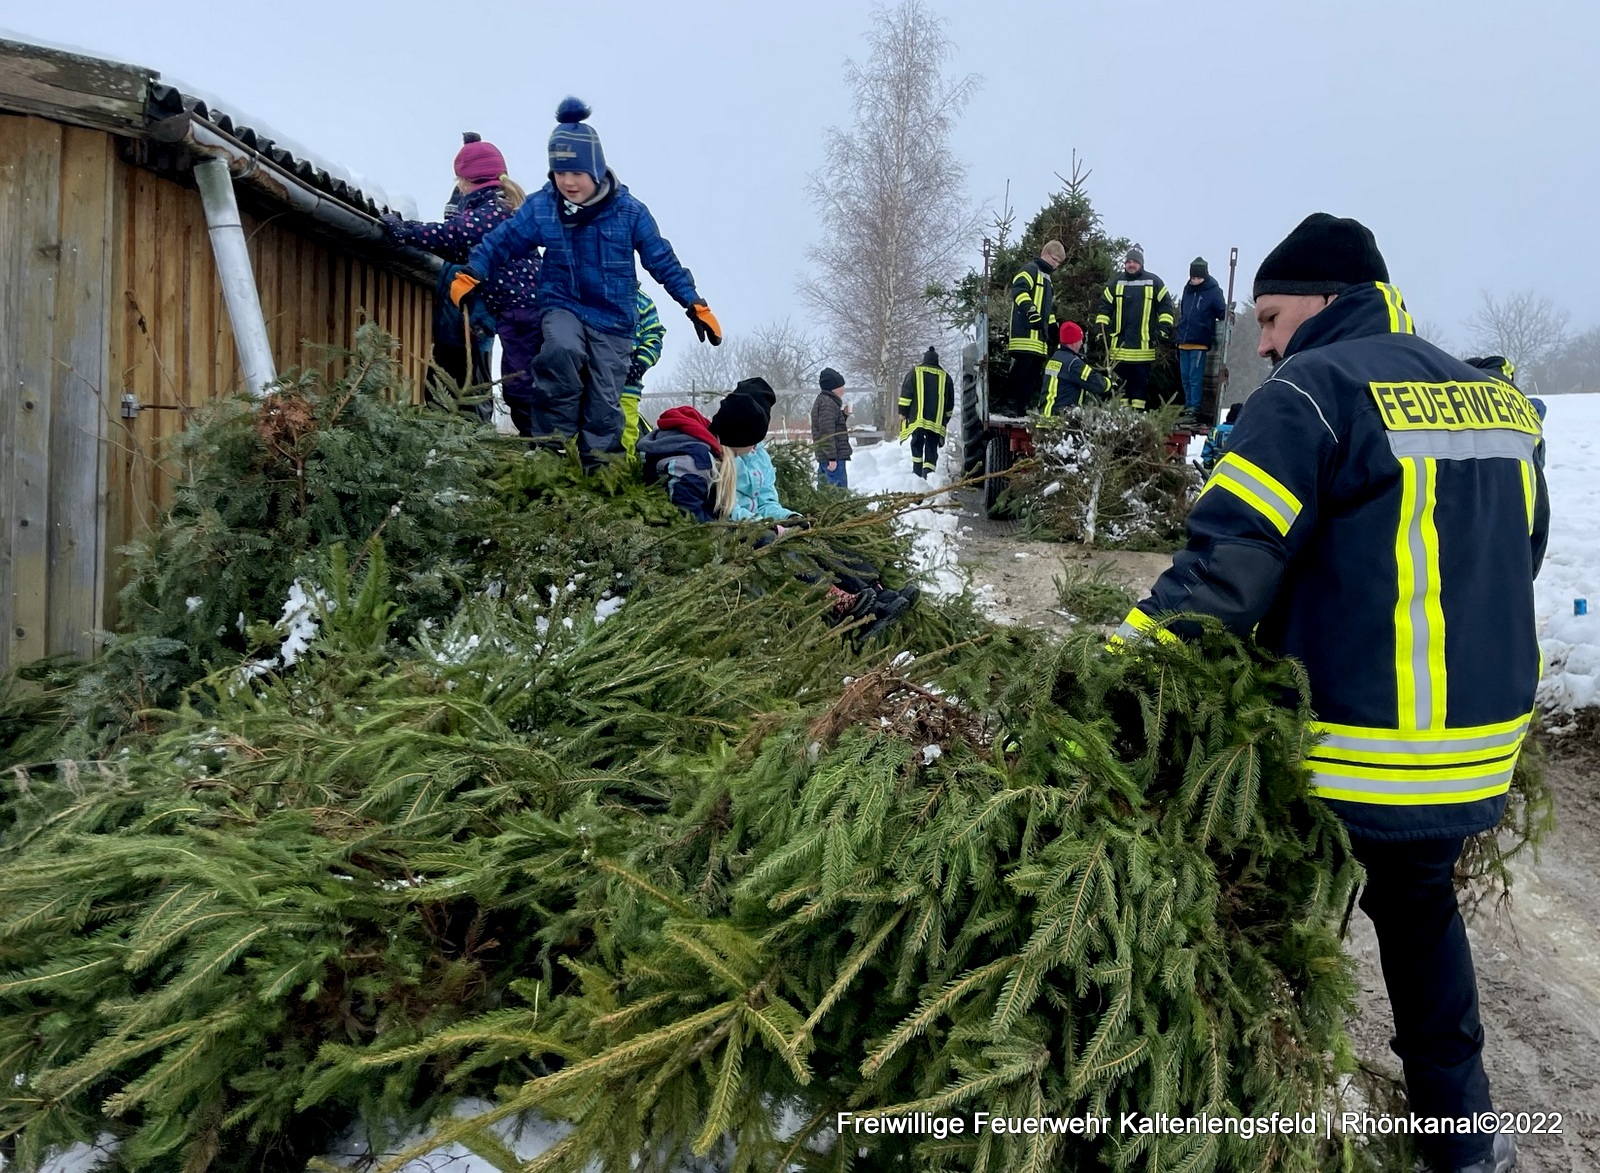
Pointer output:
x,y
67,87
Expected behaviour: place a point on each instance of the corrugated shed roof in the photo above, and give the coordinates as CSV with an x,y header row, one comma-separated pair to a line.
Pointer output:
x,y
165,101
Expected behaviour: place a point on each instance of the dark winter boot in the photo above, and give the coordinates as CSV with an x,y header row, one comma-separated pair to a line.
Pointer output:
x,y
849,607
885,610
1502,1160
910,593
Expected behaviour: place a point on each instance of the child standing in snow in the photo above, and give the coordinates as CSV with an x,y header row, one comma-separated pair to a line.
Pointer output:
x,y
720,469
589,226
486,197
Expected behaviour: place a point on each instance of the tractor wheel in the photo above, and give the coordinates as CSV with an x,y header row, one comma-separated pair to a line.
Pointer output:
x,y
972,438
997,459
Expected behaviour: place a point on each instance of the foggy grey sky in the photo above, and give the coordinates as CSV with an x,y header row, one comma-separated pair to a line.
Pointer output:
x,y
1462,131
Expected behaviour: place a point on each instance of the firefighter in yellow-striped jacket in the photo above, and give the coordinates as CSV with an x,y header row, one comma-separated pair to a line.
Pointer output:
x,y
1033,329
1136,315
927,397
1068,380
1379,516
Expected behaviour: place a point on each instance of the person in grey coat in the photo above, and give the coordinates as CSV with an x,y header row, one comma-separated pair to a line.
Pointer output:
x,y
830,430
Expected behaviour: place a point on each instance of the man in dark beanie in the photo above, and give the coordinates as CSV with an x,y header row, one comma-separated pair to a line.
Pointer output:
x,y
1202,308
1379,516
830,430
927,397
1135,318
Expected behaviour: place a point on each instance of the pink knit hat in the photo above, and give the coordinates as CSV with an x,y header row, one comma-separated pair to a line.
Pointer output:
x,y
480,164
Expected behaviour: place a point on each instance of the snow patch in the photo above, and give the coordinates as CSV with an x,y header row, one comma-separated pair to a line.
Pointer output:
x,y
1571,642
886,468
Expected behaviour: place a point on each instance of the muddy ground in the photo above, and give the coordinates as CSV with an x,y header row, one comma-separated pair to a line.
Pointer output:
x,y
1538,960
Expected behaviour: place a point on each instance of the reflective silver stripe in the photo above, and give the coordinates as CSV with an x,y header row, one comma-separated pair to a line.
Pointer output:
x,y
1127,631
1325,779
1430,748
1287,512
1468,444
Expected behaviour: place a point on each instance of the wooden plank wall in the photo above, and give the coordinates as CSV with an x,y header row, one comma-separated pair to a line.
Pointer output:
x,y
172,342
55,257
107,286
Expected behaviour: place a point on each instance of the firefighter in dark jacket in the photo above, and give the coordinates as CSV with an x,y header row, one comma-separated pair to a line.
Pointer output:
x,y
1379,516
927,397
1135,317
1068,380
1033,327
1503,368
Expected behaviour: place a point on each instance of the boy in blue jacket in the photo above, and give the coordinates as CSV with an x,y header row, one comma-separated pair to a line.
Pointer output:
x,y
589,226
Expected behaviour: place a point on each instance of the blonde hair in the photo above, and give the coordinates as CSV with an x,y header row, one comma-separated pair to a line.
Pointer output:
x,y
724,484
512,191
1053,250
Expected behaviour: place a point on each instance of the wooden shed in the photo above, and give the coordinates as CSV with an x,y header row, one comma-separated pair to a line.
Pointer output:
x,y
112,317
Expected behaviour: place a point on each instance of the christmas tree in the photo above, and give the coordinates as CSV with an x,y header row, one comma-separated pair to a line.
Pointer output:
x,y
561,801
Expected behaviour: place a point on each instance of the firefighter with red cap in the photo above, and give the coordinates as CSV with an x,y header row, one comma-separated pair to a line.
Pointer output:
x,y
1069,381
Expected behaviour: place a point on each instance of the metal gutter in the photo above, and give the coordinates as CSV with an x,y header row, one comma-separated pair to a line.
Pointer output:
x,y
250,166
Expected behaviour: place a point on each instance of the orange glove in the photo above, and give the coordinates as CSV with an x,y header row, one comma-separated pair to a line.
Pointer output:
x,y
462,284
705,323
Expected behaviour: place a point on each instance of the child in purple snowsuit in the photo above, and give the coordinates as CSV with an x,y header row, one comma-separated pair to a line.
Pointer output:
x,y
487,198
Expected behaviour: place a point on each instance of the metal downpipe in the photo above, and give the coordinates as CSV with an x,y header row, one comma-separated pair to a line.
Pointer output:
x,y
238,279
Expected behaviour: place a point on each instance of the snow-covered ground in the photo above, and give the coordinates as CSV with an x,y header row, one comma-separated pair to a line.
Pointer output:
x,y
1571,571
886,468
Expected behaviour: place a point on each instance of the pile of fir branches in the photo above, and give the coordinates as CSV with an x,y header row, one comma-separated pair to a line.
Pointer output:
x,y
572,805
1102,475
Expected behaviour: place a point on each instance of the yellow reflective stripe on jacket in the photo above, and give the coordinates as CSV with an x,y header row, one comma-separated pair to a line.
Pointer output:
x,y
1165,317
1144,316
1528,492
1257,488
1418,615
1399,319
1415,767
1138,623
1488,405
1052,376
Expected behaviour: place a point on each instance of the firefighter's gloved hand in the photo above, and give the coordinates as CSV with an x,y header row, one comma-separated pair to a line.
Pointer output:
x,y
462,282
705,323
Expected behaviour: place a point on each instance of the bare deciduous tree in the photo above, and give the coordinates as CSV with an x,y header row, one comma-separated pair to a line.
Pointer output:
x,y
1575,365
891,197
1523,327
779,352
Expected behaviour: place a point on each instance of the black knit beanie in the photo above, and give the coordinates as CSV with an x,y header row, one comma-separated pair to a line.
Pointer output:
x,y
1199,268
1324,255
830,379
745,414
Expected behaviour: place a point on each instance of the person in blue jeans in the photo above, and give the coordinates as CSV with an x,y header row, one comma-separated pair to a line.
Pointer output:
x,y
830,430
1203,307
589,226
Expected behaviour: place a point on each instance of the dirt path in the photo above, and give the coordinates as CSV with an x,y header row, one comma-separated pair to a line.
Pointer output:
x,y
1538,982
1016,576
1538,962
